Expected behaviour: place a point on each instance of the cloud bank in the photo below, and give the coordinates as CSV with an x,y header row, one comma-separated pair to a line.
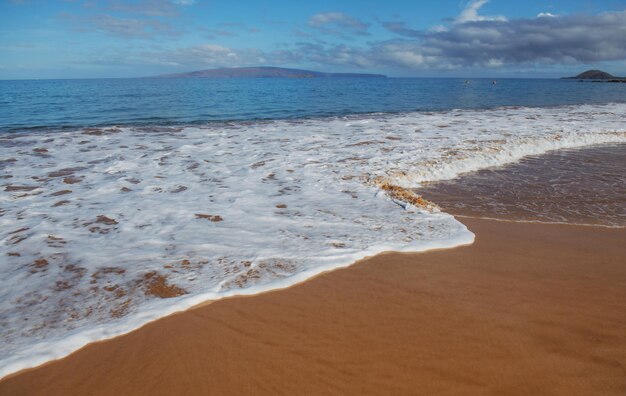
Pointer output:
x,y
474,40
542,40
481,43
471,40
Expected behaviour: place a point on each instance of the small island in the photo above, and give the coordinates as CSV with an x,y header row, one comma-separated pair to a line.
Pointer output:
x,y
596,76
265,72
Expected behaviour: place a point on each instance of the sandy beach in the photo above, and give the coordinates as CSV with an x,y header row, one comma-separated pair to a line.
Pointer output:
x,y
528,309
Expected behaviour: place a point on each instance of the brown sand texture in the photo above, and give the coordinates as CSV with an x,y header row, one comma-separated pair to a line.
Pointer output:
x,y
529,309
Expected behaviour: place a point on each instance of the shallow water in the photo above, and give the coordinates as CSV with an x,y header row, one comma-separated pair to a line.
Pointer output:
x,y
579,186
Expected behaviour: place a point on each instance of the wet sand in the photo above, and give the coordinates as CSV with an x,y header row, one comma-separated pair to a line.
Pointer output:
x,y
528,309
576,186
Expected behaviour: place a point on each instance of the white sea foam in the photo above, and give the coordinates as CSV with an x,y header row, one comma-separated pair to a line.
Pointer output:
x,y
293,198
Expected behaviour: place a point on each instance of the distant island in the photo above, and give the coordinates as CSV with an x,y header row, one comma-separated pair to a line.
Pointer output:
x,y
597,76
265,72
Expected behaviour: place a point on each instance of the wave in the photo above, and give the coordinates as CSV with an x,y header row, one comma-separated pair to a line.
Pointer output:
x,y
110,228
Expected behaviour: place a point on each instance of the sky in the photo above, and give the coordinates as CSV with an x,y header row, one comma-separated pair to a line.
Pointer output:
x,y
445,38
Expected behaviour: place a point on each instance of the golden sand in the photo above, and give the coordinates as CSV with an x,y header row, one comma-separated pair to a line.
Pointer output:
x,y
529,309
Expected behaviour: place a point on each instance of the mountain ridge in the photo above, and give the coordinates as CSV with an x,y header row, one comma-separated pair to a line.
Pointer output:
x,y
264,72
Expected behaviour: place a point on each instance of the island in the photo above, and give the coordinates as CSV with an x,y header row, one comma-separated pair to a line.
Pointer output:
x,y
265,72
596,76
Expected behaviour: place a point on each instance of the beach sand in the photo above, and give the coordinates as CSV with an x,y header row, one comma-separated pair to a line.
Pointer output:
x,y
528,309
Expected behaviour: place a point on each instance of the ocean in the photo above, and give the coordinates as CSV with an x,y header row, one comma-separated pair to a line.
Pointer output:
x,y
123,201
48,104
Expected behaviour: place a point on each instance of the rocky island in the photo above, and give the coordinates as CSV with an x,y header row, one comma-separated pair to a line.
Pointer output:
x,y
597,76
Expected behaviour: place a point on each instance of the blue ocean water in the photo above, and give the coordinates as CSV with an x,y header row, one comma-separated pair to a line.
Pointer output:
x,y
27,104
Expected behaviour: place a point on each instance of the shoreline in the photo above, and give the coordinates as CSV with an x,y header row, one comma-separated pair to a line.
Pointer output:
x,y
52,376
525,221
187,304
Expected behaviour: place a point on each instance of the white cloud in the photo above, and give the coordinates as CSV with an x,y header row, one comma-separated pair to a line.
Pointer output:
x,y
545,15
494,63
470,13
438,28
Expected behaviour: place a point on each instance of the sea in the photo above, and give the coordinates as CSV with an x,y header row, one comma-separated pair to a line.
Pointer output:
x,y
126,200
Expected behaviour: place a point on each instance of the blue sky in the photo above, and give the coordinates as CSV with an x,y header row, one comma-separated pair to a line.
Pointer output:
x,y
473,38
